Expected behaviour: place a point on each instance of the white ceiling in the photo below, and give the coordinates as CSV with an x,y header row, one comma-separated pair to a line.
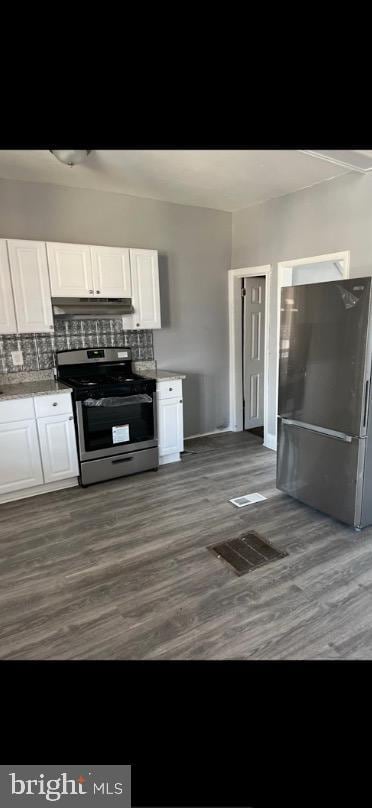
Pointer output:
x,y
222,179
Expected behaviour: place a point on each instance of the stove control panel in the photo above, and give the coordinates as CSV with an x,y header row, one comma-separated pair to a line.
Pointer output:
x,y
96,354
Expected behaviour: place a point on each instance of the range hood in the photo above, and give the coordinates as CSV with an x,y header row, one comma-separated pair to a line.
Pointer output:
x,y
77,308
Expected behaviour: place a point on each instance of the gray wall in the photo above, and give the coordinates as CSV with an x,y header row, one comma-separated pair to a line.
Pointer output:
x,y
329,217
194,255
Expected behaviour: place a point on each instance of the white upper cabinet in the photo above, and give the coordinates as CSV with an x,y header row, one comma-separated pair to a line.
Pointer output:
x,y
145,289
111,272
30,280
8,323
70,269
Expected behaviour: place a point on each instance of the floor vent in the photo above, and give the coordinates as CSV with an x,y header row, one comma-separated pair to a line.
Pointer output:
x,y
246,553
247,499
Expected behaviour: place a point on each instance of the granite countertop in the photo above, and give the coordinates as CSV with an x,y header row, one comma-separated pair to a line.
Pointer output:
x,y
162,375
29,389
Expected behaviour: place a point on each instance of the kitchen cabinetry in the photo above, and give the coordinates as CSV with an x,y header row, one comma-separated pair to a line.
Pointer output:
x,y
37,454
20,465
31,290
31,272
145,290
170,420
78,270
70,269
8,323
111,272
58,447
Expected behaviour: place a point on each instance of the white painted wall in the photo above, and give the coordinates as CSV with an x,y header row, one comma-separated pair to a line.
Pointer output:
x,y
326,218
315,273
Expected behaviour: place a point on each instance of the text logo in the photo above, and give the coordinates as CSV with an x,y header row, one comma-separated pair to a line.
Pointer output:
x,y
39,785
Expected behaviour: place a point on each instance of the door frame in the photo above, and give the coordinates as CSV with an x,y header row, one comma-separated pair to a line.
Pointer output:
x,y
284,266
235,350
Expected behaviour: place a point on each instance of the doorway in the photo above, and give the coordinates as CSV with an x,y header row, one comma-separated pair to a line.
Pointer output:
x,y
253,353
249,382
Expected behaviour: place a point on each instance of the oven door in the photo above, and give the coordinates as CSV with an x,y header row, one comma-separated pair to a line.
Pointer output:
x,y
116,424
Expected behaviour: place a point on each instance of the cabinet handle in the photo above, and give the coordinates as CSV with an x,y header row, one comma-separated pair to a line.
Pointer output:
x,y
98,292
51,327
170,389
71,418
137,325
55,403
181,401
91,291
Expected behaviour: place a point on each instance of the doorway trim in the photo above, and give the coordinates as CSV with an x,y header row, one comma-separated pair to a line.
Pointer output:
x,y
284,266
235,351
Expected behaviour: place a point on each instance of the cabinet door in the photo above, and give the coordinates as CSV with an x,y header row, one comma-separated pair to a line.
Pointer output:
x,y
8,323
170,426
20,463
70,269
111,272
58,447
30,279
145,289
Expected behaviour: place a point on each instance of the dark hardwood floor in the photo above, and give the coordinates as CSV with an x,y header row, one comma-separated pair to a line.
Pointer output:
x,y
121,571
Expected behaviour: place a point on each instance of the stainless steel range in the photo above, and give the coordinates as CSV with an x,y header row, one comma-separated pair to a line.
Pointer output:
x,y
115,413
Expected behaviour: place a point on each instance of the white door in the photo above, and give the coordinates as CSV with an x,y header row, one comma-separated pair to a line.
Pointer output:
x,y
111,272
145,289
253,351
170,426
58,447
8,323
70,269
20,446
30,279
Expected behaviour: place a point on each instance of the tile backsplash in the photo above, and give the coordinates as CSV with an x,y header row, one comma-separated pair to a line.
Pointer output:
x,y
38,349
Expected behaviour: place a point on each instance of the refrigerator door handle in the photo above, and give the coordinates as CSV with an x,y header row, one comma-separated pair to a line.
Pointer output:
x,y
313,428
366,403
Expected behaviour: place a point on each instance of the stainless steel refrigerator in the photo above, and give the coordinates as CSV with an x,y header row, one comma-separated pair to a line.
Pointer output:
x,y
324,454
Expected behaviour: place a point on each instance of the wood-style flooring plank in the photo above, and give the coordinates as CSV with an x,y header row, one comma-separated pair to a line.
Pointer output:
x,y
121,570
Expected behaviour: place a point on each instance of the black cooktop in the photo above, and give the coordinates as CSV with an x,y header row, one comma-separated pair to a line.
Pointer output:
x,y
105,382
102,379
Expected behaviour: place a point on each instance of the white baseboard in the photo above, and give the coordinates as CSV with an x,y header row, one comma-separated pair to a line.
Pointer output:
x,y
205,434
270,441
38,489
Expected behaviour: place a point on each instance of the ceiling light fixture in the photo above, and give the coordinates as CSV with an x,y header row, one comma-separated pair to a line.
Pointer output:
x,y
71,157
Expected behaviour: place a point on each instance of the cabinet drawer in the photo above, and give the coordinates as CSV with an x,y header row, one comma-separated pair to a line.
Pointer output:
x,y
53,405
16,409
169,389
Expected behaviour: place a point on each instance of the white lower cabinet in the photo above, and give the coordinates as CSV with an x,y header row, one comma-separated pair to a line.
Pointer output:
x,y
20,465
36,454
58,447
170,423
